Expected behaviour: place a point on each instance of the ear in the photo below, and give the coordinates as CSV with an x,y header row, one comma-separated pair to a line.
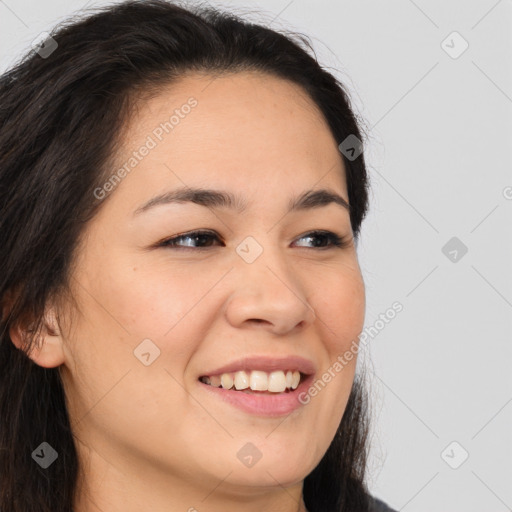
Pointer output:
x,y
47,350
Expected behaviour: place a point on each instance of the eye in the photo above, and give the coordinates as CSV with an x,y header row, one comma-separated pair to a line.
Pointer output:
x,y
332,238
202,239
197,237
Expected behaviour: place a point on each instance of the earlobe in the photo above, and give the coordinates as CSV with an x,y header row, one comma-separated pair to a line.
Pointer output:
x,y
49,352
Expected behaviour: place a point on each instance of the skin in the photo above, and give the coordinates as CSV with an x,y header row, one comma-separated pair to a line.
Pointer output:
x,y
148,437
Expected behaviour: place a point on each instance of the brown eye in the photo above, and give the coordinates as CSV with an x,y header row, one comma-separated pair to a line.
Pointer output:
x,y
195,239
332,239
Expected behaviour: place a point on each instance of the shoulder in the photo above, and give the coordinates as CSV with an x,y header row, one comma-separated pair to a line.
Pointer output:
x,y
377,505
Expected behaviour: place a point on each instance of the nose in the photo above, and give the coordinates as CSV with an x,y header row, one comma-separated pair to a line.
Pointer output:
x,y
269,295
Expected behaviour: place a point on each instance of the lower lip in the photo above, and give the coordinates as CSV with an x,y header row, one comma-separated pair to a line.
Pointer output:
x,y
274,405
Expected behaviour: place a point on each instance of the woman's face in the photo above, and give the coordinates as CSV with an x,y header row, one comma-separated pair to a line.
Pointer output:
x,y
154,318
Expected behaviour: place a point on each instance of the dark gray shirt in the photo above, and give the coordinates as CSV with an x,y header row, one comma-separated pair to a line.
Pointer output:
x,y
377,505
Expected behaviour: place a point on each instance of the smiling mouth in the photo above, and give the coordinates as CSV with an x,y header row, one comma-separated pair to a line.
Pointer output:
x,y
256,382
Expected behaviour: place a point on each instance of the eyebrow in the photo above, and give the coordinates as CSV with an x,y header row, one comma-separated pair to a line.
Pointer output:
x,y
222,199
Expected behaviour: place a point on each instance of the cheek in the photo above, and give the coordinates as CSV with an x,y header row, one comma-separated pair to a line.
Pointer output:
x,y
118,311
121,305
341,310
154,301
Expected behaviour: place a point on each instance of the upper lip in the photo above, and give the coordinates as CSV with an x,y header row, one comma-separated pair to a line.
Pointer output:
x,y
266,364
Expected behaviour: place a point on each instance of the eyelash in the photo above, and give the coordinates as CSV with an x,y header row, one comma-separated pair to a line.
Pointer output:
x,y
335,240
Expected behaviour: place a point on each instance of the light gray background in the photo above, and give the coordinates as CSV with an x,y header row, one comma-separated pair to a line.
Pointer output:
x,y
440,164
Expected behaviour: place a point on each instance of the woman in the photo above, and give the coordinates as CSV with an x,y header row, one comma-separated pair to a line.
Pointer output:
x,y
182,193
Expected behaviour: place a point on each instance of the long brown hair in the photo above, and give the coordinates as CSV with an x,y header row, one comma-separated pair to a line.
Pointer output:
x,y
62,109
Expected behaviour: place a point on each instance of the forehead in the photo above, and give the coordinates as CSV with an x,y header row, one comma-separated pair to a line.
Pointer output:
x,y
240,110
244,130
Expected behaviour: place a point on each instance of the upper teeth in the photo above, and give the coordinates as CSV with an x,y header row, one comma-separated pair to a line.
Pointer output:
x,y
256,380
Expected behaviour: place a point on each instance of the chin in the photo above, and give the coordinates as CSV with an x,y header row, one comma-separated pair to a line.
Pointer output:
x,y
281,476
272,467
